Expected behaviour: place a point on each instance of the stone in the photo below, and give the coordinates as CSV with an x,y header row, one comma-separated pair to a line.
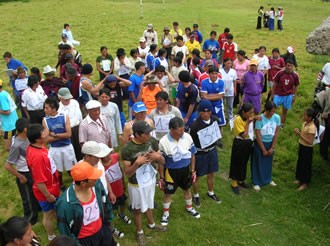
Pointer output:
x,y
318,41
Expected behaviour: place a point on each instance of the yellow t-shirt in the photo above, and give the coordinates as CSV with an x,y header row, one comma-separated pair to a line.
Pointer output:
x,y
192,46
239,126
306,129
148,97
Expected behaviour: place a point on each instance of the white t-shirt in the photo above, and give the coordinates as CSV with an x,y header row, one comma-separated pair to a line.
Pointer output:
x,y
73,111
229,79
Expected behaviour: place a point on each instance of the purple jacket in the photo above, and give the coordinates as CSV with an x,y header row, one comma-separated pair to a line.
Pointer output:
x,y
252,83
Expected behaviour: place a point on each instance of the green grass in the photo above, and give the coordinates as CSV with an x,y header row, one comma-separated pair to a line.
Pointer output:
x,y
275,216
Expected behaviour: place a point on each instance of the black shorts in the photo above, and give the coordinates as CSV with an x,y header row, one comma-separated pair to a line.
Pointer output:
x,y
119,201
175,178
9,134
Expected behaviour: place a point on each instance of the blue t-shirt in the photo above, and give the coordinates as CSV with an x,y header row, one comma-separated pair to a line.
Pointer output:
x,y
217,87
211,45
56,124
135,86
187,96
14,64
150,61
8,120
267,127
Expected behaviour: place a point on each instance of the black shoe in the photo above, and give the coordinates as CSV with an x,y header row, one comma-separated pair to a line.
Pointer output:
x,y
244,185
219,144
235,190
196,202
214,198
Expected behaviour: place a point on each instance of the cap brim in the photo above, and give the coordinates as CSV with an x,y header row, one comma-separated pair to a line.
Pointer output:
x,y
96,174
149,129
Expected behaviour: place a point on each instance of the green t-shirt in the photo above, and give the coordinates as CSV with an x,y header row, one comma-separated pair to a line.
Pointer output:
x,y
105,62
131,150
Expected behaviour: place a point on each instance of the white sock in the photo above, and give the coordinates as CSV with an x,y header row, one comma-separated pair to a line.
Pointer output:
x,y
211,193
196,195
140,232
152,225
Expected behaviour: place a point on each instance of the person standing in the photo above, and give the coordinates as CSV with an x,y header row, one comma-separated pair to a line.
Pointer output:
x,y
280,15
212,44
150,35
263,64
134,89
198,34
241,66
271,19
67,31
221,40
260,16
229,48
267,131
276,64
179,152
104,63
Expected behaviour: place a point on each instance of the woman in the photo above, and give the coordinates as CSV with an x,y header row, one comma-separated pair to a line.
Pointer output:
x,y
267,130
263,64
229,76
186,35
104,63
241,66
33,99
134,58
161,59
167,42
17,231
271,19
260,15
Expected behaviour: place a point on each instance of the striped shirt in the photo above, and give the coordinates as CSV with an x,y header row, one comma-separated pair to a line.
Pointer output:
x,y
90,130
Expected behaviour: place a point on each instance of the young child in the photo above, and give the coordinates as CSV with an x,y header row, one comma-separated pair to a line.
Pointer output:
x,y
305,153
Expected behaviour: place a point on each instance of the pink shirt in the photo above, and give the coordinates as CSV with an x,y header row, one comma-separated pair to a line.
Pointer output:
x,y
241,68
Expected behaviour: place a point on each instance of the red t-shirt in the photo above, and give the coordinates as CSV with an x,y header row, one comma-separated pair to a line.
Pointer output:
x,y
222,39
229,51
114,175
285,83
42,171
92,221
274,70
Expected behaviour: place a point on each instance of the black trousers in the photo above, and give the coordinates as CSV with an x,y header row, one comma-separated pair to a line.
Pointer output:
x,y
75,142
324,144
304,164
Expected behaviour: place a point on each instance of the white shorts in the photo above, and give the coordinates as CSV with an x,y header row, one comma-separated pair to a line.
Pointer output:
x,y
142,198
64,157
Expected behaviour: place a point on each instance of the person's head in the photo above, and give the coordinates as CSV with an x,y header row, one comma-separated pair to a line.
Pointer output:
x,y
272,9
150,27
85,174
153,48
16,231
289,65
290,50
93,109
134,53
104,96
93,151
36,134
120,53
246,111
140,67
87,69
196,53
213,72
160,71
22,125
184,77
195,27
241,55
111,81
227,63
309,115
162,52
21,72
64,95
35,71
256,51
196,61
208,54
151,82
142,42
176,126
139,110
213,35
61,240
270,109
207,65
180,54
226,30
179,40
141,131
7,56
66,26
175,24
177,61
104,51
187,31
51,106
162,99
49,72
166,30
33,82
253,65
64,37
262,50
230,38
275,53
261,7
205,109
70,71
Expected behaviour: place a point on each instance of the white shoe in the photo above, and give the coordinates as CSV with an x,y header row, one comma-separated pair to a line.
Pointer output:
x,y
272,183
256,188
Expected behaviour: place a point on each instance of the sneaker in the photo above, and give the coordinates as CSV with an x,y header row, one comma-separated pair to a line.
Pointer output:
x,y
196,202
244,185
214,198
125,219
117,233
51,237
256,188
194,213
164,220
141,239
272,183
235,190
158,228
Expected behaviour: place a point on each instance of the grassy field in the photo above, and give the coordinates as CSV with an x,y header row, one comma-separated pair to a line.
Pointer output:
x,y
274,216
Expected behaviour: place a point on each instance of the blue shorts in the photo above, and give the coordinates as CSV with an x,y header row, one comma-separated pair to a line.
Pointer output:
x,y
285,101
193,116
46,206
221,115
206,162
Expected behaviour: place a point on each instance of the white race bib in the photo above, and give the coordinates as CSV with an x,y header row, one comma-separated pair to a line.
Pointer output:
x,y
145,175
113,173
106,65
209,135
268,129
161,123
251,131
91,212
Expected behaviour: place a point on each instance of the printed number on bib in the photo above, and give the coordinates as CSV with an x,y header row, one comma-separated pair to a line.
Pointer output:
x,y
91,212
161,123
145,175
209,135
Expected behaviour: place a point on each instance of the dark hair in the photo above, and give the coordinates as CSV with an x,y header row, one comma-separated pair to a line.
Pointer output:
x,y
32,80
227,59
256,50
63,240
179,38
262,47
85,180
134,51
196,61
66,47
213,33
120,52
276,50
162,95
160,68
178,60
289,61
21,124
188,28
310,112
196,52
14,228
7,54
226,30
138,65
34,132
20,69
246,107
230,36
175,23
208,50
184,76
36,72
212,69
241,53
65,25
161,52
269,105
261,7
153,47
180,54
175,123
52,102
105,91
103,47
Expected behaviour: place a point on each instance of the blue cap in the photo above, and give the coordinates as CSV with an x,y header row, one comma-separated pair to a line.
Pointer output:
x,y
205,106
139,107
111,78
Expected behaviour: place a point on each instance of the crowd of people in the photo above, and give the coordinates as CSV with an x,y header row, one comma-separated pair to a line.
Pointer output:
x,y
267,18
180,94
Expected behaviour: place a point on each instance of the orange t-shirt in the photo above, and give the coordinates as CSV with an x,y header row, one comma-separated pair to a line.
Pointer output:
x,y
148,97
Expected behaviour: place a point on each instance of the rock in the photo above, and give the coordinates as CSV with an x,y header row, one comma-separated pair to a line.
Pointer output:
x,y
318,41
